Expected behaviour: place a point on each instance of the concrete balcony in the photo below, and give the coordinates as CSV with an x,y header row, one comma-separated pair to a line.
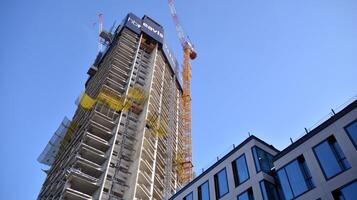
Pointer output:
x,y
91,154
100,131
148,145
114,85
70,194
81,184
103,120
117,79
81,174
147,155
88,169
96,142
88,163
145,165
157,194
144,179
142,192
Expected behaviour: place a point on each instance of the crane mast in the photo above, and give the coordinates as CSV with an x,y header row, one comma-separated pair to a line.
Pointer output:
x,y
189,53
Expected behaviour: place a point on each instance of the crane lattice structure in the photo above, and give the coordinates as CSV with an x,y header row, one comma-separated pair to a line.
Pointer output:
x,y
189,53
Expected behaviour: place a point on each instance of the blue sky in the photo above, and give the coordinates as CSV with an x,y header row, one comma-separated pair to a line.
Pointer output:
x,y
266,67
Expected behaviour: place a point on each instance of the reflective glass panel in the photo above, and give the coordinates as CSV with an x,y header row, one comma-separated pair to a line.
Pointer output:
x,y
327,159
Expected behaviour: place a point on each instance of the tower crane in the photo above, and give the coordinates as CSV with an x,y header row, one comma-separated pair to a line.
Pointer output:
x,y
189,53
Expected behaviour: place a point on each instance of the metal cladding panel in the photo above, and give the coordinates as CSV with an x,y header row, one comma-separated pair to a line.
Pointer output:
x,y
153,29
133,23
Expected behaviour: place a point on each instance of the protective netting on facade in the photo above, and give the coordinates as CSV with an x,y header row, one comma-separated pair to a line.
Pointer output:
x,y
51,150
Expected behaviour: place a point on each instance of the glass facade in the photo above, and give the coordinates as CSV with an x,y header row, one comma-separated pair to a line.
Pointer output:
x,y
348,192
331,158
295,178
263,160
221,183
188,197
352,132
240,170
247,195
269,191
203,191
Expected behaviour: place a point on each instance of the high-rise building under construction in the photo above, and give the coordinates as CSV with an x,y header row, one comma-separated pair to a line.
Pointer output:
x,y
125,140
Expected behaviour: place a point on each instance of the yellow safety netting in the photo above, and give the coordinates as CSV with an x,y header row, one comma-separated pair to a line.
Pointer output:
x,y
137,94
178,164
115,101
86,101
157,126
68,136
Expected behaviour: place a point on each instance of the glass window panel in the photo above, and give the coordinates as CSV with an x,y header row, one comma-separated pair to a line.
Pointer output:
x,y
203,191
352,132
268,190
242,169
222,182
188,197
285,184
327,159
256,159
264,190
340,155
263,160
306,173
247,195
349,192
296,179
243,196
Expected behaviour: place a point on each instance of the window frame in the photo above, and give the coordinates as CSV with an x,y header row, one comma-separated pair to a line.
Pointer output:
x,y
348,133
216,184
199,191
236,171
335,156
287,177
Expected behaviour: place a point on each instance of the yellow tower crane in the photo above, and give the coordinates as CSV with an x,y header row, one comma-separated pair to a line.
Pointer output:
x,y
189,53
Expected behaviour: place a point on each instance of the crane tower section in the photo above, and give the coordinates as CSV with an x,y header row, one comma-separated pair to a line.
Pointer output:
x,y
189,53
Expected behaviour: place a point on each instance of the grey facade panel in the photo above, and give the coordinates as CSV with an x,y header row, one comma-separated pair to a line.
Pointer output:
x,y
300,151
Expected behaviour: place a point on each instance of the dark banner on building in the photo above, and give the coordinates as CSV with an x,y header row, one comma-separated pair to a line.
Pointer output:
x,y
133,23
153,29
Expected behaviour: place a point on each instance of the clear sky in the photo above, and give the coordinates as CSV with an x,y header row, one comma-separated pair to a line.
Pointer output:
x,y
269,67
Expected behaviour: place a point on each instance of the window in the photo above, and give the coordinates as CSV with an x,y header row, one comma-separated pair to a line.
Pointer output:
x,y
331,158
203,191
221,183
269,191
352,132
262,159
348,192
188,197
247,195
240,170
295,178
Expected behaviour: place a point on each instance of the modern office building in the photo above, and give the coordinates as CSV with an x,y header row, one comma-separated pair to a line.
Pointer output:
x,y
321,165
125,138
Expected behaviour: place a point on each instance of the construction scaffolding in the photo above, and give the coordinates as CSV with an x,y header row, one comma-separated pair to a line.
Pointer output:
x,y
127,131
